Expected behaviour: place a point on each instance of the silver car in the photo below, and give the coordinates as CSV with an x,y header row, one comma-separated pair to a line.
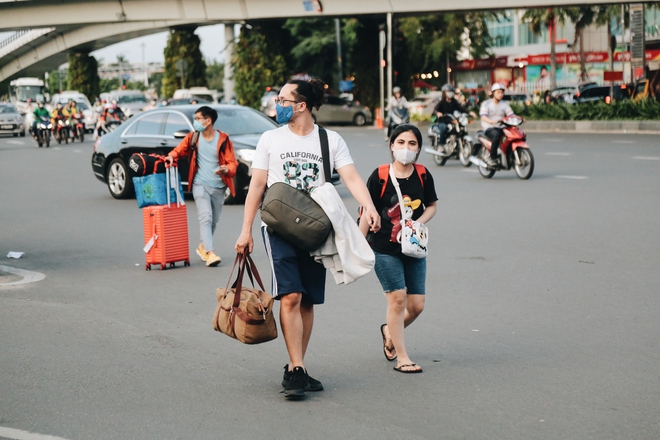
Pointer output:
x,y
11,121
338,110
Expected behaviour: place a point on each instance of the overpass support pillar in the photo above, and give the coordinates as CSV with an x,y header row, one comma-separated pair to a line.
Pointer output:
x,y
229,71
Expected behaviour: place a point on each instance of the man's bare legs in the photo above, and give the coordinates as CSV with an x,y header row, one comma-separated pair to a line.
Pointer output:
x,y
297,320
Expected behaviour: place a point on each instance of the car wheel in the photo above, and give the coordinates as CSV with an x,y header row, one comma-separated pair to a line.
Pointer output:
x,y
119,182
359,120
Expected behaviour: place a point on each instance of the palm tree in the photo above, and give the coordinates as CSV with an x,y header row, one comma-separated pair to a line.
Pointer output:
x,y
603,16
581,16
540,19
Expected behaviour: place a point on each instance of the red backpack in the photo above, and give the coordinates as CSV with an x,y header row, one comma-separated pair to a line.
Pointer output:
x,y
384,175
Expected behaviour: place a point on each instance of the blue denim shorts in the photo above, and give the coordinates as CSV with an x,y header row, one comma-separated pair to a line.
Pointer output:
x,y
400,272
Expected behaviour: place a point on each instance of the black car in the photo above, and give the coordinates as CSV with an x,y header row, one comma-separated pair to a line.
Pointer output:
x,y
602,93
160,130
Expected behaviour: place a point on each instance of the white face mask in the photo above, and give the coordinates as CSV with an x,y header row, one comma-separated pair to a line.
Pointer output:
x,y
404,156
450,95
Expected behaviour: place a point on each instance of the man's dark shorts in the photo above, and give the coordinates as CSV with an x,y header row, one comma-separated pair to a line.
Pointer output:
x,y
294,270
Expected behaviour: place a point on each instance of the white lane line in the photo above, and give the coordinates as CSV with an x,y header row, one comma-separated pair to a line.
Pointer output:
x,y
28,276
646,158
18,434
572,177
558,153
624,142
16,142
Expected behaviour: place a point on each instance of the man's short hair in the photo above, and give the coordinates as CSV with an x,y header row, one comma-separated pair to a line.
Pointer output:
x,y
208,112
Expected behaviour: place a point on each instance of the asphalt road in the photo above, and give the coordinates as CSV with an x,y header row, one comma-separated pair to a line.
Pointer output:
x,y
541,319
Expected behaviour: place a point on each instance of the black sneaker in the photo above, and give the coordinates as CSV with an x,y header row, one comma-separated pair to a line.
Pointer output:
x,y
295,389
312,384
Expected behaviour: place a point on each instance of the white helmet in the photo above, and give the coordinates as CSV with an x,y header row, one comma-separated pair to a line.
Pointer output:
x,y
497,86
396,89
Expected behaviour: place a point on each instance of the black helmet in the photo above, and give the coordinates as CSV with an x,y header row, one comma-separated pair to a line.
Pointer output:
x,y
448,88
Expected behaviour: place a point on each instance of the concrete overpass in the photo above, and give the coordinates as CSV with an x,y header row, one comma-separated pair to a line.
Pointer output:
x,y
64,26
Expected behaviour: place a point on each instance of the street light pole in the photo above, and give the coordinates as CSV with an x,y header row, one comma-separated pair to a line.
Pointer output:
x,y
338,34
389,56
381,48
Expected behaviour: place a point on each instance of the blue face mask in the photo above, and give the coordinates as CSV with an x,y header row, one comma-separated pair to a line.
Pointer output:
x,y
197,125
284,114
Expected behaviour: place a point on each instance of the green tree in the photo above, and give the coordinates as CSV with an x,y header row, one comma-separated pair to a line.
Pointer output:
x,y
215,75
540,19
431,41
256,65
183,44
53,82
581,16
83,75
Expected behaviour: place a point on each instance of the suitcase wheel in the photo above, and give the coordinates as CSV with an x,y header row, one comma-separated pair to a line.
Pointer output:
x,y
186,263
163,266
147,267
172,264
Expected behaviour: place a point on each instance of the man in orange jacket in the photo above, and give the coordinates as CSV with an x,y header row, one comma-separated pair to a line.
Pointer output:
x,y
212,169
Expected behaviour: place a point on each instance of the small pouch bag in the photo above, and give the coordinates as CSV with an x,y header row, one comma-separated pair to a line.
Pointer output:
x,y
414,236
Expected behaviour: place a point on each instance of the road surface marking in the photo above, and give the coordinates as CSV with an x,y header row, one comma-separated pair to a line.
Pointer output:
x,y
572,177
18,434
558,153
646,158
624,142
28,277
16,142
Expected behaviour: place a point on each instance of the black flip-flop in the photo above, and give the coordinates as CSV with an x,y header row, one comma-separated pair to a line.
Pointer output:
x,y
400,369
387,349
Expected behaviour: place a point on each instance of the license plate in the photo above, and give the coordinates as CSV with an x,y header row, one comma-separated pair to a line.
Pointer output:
x,y
6,127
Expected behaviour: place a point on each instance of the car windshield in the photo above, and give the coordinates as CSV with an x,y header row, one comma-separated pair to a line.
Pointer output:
x,y
7,109
128,99
242,121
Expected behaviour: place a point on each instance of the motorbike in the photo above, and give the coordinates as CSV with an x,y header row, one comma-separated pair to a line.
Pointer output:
x,y
78,128
61,129
42,133
459,143
513,150
398,116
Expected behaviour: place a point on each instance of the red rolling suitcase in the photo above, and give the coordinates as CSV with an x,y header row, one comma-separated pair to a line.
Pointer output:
x,y
166,235
166,229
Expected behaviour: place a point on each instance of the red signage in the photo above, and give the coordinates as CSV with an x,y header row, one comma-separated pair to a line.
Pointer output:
x,y
612,76
481,63
567,58
650,55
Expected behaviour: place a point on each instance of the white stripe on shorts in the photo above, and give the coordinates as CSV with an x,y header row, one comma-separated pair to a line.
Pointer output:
x,y
270,259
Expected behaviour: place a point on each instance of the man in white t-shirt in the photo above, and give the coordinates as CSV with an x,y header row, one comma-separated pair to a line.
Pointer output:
x,y
492,112
292,154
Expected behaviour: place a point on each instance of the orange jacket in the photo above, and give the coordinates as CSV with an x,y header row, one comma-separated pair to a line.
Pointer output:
x,y
226,157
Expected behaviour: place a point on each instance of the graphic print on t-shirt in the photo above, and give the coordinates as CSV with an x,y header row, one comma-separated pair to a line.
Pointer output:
x,y
394,214
301,175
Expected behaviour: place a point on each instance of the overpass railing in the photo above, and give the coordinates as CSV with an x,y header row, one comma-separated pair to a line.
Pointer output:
x,y
15,36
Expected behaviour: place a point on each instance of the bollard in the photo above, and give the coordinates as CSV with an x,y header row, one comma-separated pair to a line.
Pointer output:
x,y
379,118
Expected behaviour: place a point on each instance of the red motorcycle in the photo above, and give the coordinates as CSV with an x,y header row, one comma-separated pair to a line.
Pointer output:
x,y
513,150
78,128
61,129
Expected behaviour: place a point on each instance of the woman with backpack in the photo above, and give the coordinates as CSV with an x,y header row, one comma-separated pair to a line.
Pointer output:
x,y
402,277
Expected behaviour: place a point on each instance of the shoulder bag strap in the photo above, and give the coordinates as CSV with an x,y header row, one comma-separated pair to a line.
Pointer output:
x,y
325,152
194,140
398,192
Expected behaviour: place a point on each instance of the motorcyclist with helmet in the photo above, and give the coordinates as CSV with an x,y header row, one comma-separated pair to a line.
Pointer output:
x,y
397,100
492,112
59,113
447,106
39,112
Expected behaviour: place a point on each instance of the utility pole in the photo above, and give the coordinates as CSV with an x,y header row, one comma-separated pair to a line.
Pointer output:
x,y
339,61
389,56
381,48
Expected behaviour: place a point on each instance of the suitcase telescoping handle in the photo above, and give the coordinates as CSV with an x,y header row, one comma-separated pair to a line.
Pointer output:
x,y
172,181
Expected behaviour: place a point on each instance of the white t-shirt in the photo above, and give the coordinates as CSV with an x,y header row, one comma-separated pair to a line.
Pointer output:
x,y
297,160
494,111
